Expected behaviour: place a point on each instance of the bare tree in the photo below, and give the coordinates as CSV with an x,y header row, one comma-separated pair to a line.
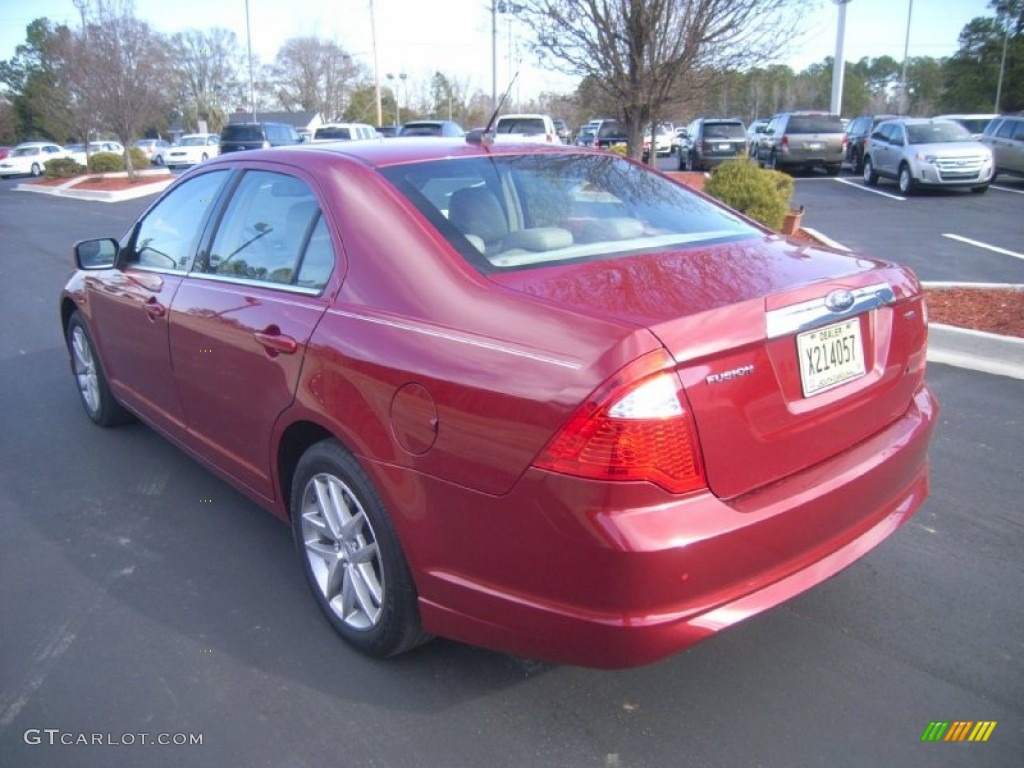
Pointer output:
x,y
209,64
128,75
643,53
314,75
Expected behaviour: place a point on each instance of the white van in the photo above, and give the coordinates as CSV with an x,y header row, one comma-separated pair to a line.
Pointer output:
x,y
344,132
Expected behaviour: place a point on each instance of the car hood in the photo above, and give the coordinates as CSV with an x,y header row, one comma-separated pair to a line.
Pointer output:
x,y
951,148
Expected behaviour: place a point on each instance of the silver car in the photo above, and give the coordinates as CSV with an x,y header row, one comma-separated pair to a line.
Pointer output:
x,y
919,152
1005,137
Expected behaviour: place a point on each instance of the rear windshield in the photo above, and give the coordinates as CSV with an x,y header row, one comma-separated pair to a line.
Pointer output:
x,y
421,129
814,124
242,132
333,133
611,128
521,211
724,131
526,125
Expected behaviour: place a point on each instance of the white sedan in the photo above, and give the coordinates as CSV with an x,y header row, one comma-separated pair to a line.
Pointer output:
x,y
29,159
77,151
193,148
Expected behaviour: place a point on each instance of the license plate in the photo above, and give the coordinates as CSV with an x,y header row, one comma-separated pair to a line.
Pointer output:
x,y
724,147
830,356
815,145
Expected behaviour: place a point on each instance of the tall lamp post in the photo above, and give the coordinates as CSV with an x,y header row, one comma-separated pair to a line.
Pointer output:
x,y
376,70
906,52
83,6
252,87
839,63
398,110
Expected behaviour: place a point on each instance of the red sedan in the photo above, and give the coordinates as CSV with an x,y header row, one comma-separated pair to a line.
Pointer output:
x,y
539,399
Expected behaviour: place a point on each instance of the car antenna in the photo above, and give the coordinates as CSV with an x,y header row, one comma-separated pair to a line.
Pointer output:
x,y
487,137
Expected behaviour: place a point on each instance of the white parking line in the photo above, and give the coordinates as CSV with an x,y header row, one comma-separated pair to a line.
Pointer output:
x,y
1008,189
865,188
986,246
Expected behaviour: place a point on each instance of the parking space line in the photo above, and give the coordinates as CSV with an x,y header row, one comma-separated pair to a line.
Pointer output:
x,y
986,246
864,188
1008,189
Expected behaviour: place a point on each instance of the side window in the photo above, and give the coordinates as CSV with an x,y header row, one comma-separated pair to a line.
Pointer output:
x,y
1005,130
1018,134
167,237
265,230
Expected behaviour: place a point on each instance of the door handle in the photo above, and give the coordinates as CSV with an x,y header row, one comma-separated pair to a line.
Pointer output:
x,y
154,308
274,341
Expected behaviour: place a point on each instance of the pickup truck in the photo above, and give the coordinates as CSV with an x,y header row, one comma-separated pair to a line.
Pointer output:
x,y
538,129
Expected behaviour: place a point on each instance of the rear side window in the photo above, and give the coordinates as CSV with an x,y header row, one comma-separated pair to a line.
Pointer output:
x,y
814,124
266,232
1006,129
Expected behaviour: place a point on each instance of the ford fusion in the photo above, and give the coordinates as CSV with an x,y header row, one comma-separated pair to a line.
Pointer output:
x,y
544,400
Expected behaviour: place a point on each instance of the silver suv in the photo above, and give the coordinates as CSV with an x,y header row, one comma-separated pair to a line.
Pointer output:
x,y
1005,137
803,140
926,152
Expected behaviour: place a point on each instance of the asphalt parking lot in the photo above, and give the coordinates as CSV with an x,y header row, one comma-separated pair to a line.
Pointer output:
x,y
142,595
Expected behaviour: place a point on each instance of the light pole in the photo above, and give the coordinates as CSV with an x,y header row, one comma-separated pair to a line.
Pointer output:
x,y
376,70
252,87
398,110
839,64
1002,68
906,52
83,6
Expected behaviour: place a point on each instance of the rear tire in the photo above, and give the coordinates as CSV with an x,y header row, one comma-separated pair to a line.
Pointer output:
x,y
351,555
870,177
36,170
99,403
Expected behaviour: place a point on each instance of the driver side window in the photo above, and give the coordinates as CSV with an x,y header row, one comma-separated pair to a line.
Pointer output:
x,y
166,239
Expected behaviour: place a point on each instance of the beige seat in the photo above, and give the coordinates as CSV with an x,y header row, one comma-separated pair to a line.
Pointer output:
x,y
476,213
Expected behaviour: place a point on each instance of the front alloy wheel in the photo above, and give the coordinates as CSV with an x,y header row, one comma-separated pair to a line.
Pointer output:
x,y
351,555
870,177
906,180
97,399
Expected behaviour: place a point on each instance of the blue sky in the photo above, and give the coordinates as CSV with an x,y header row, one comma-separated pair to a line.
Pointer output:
x,y
454,36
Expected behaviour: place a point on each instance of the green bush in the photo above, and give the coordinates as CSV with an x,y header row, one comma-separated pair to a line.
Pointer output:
x,y
106,162
139,159
62,168
619,149
760,193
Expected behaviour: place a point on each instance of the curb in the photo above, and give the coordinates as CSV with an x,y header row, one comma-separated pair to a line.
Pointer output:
x,y
104,196
978,351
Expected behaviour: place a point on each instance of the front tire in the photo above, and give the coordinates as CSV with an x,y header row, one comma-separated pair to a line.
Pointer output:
x,y
99,403
351,555
36,170
870,177
905,180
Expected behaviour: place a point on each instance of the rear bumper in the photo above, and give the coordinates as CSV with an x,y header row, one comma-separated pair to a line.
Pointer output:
x,y
616,575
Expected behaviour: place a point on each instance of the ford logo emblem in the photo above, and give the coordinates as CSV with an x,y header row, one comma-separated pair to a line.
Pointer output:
x,y
839,301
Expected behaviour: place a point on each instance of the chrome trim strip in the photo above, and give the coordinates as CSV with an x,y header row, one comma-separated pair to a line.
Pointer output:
x,y
814,314
458,339
244,282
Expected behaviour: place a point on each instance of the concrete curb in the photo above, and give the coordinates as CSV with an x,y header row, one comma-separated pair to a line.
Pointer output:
x,y
104,196
986,352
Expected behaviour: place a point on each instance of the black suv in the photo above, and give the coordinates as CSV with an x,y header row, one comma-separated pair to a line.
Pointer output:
x,y
804,140
857,133
610,133
239,136
711,141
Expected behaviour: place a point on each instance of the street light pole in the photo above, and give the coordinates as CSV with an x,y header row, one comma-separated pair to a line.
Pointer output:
x,y
906,53
376,71
252,87
839,63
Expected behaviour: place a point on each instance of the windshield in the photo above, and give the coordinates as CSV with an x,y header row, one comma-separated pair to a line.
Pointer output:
x,y
193,141
516,211
526,125
937,133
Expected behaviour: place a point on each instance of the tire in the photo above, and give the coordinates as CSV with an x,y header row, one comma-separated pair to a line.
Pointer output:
x,y
682,161
158,160
905,180
870,177
350,553
980,190
99,403
205,158
773,162
36,170
858,162
833,170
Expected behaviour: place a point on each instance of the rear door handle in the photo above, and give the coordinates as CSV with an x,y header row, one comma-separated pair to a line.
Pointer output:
x,y
274,341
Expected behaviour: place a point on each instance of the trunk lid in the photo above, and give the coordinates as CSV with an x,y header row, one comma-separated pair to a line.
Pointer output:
x,y
765,403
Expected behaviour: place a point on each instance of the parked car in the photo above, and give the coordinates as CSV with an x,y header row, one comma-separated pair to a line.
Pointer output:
x,y
431,128
858,131
77,151
587,134
919,152
712,141
803,141
975,123
152,147
754,131
4,152
597,418
388,131
1004,136
664,141
531,128
192,148
608,133
29,158
344,132
563,130
237,137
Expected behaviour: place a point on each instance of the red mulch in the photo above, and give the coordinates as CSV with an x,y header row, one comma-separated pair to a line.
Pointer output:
x,y
102,183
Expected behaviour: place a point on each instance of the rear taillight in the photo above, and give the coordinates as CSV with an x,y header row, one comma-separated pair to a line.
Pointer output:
x,y
637,426
784,141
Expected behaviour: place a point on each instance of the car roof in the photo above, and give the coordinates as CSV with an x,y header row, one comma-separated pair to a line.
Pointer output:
x,y
385,153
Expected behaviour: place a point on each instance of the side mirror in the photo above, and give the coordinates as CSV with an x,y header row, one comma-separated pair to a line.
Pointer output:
x,y
96,254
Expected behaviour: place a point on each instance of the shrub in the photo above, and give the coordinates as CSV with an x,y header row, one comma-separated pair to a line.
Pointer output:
x,y
106,162
619,149
62,168
760,193
139,159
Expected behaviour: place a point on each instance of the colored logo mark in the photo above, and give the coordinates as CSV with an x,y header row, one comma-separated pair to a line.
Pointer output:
x,y
959,730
